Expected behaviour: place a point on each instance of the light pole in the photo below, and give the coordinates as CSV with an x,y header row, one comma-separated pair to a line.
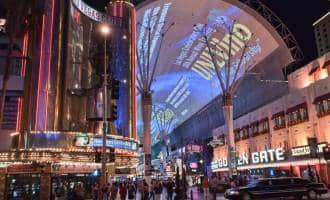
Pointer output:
x,y
105,31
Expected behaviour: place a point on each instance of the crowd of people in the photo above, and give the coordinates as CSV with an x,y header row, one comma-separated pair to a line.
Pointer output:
x,y
123,190
140,189
131,189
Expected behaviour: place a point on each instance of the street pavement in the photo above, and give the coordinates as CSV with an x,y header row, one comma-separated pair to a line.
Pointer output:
x,y
199,196
194,194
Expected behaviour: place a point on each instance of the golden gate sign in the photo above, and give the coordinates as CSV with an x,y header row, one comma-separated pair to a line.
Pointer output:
x,y
270,155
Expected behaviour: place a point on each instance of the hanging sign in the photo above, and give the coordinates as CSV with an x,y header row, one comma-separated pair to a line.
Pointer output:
x,y
96,15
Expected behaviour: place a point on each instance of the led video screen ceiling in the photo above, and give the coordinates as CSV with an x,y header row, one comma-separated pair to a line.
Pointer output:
x,y
185,79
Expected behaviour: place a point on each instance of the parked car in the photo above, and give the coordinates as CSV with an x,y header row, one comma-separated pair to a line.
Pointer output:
x,y
277,187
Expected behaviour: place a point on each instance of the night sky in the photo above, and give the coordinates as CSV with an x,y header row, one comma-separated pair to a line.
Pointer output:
x,y
298,15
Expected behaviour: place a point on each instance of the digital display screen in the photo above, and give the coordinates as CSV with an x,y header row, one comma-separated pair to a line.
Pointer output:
x,y
193,165
185,78
110,142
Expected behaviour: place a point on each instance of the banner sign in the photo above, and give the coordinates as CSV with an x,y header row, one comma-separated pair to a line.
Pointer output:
x,y
96,15
270,155
305,150
82,141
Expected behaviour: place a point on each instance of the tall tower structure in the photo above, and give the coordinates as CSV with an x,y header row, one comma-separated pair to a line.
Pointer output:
x,y
322,34
62,87
123,64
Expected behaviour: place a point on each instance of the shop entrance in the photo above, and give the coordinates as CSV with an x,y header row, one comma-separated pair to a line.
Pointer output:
x,y
65,185
23,186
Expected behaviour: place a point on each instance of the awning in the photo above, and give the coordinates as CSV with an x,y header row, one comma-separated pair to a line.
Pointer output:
x,y
327,63
314,69
321,98
245,127
256,123
263,120
279,114
237,130
297,107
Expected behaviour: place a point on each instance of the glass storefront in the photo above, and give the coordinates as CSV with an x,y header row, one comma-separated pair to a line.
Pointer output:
x,y
23,186
64,185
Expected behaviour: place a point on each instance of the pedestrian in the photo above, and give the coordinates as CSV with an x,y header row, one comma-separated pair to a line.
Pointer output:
x,y
206,188
113,192
96,191
145,190
232,183
78,193
151,193
170,189
213,187
131,191
122,191
104,191
157,190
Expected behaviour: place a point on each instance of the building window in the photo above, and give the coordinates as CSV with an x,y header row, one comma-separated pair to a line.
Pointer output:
x,y
237,135
244,131
264,126
279,120
322,105
254,128
297,114
15,67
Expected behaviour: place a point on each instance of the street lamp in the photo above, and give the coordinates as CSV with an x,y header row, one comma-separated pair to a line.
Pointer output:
x,y
105,31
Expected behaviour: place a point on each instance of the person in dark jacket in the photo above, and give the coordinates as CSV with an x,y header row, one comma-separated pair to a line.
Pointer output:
x,y
131,191
170,189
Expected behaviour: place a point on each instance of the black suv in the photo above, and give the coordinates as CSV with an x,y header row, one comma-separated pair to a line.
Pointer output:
x,y
277,187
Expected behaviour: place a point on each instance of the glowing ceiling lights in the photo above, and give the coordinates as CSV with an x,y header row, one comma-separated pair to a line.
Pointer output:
x,y
179,94
186,61
153,19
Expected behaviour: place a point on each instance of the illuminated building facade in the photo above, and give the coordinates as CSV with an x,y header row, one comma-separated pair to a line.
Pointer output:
x,y
276,136
60,110
15,84
65,94
322,32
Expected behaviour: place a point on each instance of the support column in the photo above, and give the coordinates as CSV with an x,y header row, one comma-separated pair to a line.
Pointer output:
x,y
164,150
146,117
45,181
229,121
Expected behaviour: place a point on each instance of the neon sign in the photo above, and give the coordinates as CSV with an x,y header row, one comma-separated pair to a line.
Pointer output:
x,y
270,155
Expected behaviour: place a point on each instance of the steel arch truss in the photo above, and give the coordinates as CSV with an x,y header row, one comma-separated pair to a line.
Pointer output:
x,y
279,26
